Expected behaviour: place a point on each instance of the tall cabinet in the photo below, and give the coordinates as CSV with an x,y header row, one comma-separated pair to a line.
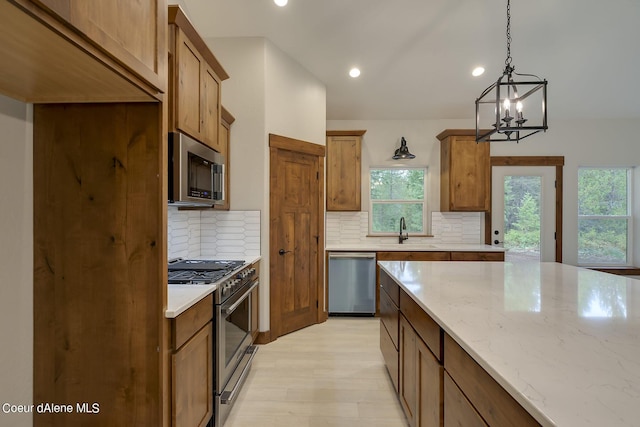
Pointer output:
x,y
344,170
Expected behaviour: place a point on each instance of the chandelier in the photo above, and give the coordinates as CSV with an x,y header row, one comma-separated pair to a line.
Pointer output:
x,y
511,110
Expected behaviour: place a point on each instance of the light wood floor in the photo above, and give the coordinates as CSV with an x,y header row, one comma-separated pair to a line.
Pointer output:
x,y
331,374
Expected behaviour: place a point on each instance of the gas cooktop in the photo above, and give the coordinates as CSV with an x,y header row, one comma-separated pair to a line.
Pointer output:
x,y
200,271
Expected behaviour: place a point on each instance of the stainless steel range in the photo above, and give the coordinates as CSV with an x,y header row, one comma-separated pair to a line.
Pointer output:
x,y
233,349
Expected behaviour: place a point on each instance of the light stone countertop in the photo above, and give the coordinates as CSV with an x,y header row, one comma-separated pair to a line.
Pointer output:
x,y
563,341
181,297
407,246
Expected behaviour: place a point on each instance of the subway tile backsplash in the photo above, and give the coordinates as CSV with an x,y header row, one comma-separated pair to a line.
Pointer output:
x,y
446,227
220,234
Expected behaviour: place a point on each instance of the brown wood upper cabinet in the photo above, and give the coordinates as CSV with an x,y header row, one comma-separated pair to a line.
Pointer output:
x,y
465,172
343,170
77,51
194,82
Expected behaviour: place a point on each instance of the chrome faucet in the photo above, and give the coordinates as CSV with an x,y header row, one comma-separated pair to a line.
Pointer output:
x,y
403,226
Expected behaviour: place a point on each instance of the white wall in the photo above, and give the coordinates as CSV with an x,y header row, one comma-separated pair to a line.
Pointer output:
x,y
267,92
16,258
581,142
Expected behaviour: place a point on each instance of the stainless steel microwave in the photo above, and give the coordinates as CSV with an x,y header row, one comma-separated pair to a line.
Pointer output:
x,y
196,173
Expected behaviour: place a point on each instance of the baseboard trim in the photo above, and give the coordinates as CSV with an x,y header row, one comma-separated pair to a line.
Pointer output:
x,y
264,338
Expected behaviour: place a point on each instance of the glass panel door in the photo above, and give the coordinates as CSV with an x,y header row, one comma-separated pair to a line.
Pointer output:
x,y
523,212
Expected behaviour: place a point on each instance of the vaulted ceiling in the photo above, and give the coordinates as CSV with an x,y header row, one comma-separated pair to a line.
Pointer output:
x,y
416,56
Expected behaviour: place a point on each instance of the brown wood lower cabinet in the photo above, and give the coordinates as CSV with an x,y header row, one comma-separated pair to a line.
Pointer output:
x,y
438,383
192,366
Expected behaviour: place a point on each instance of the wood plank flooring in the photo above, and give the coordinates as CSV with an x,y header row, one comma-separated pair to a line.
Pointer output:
x,y
329,375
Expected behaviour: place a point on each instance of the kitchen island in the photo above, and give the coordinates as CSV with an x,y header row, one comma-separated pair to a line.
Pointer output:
x,y
563,342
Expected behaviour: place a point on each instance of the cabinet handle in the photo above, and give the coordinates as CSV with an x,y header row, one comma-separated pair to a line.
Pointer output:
x,y
282,252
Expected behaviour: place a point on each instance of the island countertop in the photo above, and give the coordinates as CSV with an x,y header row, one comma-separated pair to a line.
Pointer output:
x,y
563,341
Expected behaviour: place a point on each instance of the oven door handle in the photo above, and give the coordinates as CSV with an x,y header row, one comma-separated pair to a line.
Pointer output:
x,y
228,397
235,305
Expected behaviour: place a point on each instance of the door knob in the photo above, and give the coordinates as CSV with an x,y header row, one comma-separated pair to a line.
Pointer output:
x,y
282,251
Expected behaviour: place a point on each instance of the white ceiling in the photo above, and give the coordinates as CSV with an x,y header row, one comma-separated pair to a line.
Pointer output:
x,y
416,56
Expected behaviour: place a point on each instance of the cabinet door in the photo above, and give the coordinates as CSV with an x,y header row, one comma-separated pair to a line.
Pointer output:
x,y
192,380
211,110
188,87
133,33
224,140
390,355
429,376
407,368
389,316
465,172
343,173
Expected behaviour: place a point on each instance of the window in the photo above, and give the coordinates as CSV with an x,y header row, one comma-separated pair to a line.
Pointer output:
x,y
397,193
604,219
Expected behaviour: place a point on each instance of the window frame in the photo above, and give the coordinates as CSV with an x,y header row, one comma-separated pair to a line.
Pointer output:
x,y
425,205
628,217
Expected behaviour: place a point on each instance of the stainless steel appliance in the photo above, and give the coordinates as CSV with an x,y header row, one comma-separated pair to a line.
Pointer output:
x,y
352,283
196,173
233,350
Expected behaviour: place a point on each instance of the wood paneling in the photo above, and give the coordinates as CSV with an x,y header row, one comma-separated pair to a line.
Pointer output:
x,y
192,380
390,286
211,109
188,89
100,261
492,402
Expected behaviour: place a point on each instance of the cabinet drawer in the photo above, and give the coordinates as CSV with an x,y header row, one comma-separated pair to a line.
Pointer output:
x,y
414,256
426,328
477,256
390,355
389,316
492,402
191,321
391,287
458,412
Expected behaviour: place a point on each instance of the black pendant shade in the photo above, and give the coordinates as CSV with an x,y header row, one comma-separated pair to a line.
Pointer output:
x,y
403,151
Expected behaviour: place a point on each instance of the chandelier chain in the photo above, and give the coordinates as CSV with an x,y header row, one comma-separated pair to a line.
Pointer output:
x,y
507,61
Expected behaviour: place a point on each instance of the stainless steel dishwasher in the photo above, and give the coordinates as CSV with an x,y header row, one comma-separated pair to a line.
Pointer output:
x,y
352,283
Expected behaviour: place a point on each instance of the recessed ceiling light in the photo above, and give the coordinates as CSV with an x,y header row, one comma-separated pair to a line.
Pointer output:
x,y
281,2
478,71
354,72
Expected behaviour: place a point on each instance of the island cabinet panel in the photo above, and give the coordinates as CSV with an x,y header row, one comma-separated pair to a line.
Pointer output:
x,y
420,388
390,355
132,32
344,170
389,316
477,256
458,411
492,402
414,256
426,328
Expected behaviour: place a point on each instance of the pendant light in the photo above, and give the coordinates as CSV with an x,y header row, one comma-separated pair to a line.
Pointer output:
x,y
511,110
403,151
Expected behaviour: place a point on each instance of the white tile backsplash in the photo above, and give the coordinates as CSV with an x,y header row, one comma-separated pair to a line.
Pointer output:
x,y
446,227
219,234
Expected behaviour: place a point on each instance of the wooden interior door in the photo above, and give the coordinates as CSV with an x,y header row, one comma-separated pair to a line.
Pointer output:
x,y
296,218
